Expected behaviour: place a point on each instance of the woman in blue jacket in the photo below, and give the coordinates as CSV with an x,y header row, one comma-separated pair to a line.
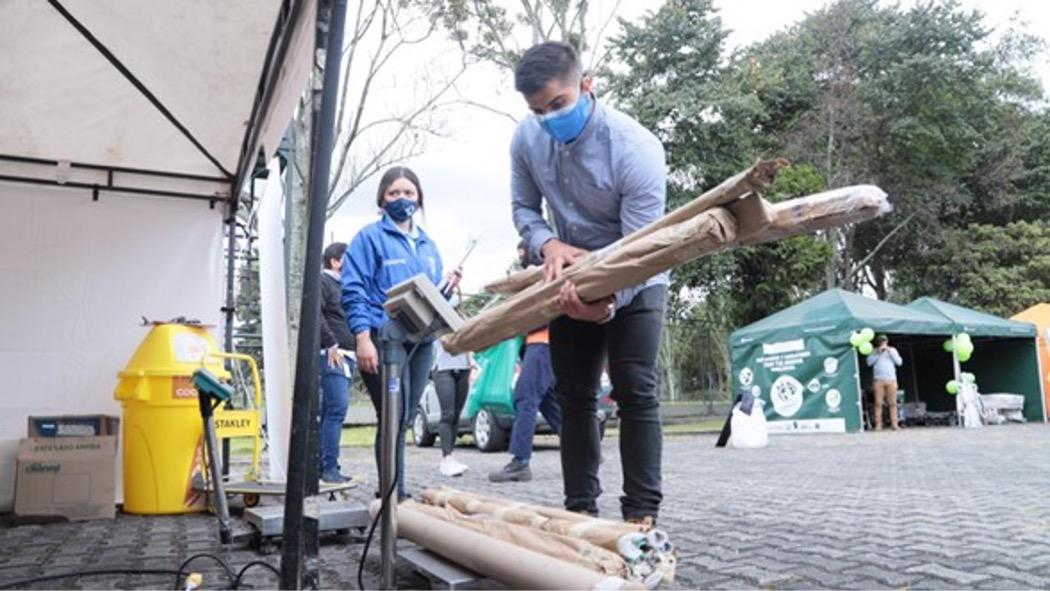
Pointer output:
x,y
380,256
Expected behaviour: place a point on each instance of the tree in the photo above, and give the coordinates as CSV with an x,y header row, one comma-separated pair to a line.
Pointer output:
x,y
999,269
497,33
375,134
918,101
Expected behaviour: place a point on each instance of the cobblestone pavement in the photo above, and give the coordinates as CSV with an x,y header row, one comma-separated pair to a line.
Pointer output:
x,y
924,508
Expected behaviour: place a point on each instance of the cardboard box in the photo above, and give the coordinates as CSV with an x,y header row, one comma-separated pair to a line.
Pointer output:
x,y
73,426
67,476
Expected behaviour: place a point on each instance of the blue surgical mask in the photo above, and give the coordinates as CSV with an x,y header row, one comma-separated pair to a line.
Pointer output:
x,y
401,209
566,124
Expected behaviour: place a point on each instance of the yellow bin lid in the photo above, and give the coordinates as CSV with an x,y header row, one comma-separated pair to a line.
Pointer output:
x,y
174,350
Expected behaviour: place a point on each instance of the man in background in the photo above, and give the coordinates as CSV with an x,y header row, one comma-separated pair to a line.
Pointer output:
x,y
337,363
884,361
534,391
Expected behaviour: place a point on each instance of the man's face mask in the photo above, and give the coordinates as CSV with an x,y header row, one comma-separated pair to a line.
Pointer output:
x,y
566,124
400,209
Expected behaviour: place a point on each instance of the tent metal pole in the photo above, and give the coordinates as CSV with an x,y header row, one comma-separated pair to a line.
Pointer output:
x,y
299,560
957,371
860,391
914,375
1042,376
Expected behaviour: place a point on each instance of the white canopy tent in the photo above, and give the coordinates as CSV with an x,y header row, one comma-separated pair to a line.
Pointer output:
x,y
127,129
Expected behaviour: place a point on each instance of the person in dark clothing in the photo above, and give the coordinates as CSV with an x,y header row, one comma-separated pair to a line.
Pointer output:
x,y
338,363
381,255
534,391
602,176
452,384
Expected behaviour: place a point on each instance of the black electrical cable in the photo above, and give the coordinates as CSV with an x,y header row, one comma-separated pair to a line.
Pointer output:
x,y
386,498
230,575
244,569
23,583
371,532
234,578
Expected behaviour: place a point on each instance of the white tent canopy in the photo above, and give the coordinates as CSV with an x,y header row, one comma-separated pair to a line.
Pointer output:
x,y
165,87
121,100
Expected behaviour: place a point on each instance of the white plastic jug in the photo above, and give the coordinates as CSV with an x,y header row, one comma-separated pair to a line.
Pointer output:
x,y
749,431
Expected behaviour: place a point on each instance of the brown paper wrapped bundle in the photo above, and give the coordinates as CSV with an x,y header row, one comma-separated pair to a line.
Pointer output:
x,y
821,211
602,274
600,532
570,549
460,540
753,180
753,221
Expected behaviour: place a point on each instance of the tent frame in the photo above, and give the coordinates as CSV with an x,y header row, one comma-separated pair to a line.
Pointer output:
x,y
288,17
112,184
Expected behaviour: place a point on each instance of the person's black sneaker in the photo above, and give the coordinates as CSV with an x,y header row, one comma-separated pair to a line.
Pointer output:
x,y
514,471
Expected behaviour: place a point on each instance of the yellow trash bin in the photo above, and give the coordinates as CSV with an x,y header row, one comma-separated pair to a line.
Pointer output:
x,y
162,426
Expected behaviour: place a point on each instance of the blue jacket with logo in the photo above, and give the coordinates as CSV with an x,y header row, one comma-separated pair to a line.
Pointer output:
x,y
378,258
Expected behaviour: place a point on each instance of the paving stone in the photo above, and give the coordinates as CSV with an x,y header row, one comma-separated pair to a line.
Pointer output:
x,y
957,577
1028,579
830,512
893,578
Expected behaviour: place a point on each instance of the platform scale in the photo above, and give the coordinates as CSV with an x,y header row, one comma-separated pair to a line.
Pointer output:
x,y
267,521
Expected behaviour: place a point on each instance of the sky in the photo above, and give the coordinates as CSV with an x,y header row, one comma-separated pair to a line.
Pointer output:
x,y
465,172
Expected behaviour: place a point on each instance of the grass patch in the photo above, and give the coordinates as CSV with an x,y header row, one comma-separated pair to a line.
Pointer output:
x,y
705,426
365,436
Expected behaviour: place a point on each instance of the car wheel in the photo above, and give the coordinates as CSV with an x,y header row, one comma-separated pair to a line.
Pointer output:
x,y
421,433
488,435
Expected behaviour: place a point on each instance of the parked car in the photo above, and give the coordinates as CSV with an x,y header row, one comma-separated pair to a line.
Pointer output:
x,y
489,411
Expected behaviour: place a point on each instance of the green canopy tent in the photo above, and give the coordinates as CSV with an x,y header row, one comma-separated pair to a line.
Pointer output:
x,y
800,361
1005,359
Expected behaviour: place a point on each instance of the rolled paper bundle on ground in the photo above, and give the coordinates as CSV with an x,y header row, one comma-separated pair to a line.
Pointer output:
x,y
753,180
600,532
820,211
603,273
509,563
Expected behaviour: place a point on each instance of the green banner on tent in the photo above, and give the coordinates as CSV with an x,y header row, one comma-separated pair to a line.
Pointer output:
x,y
808,384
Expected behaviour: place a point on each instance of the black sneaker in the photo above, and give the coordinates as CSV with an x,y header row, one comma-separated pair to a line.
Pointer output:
x,y
514,471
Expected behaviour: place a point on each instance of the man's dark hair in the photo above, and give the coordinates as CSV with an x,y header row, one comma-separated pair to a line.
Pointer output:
x,y
334,250
881,339
545,62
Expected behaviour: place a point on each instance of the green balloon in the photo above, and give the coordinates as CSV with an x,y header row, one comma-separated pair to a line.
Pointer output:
x,y
948,347
964,348
964,356
865,348
968,378
856,339
952,387
962,337
868,334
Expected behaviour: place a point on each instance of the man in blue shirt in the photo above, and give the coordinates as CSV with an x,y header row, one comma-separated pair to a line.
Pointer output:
x,y
884,362
603,176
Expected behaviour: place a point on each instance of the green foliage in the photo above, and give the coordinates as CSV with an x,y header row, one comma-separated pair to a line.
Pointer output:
x,y
918,100
998,269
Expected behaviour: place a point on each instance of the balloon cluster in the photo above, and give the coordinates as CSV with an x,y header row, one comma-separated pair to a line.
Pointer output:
x,y
961,344
861,340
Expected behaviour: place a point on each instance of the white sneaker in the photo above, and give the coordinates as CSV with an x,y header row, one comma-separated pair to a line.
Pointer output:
x,y
451,467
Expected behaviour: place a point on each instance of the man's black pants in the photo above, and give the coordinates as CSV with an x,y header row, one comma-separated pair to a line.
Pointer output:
x,y
578,352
